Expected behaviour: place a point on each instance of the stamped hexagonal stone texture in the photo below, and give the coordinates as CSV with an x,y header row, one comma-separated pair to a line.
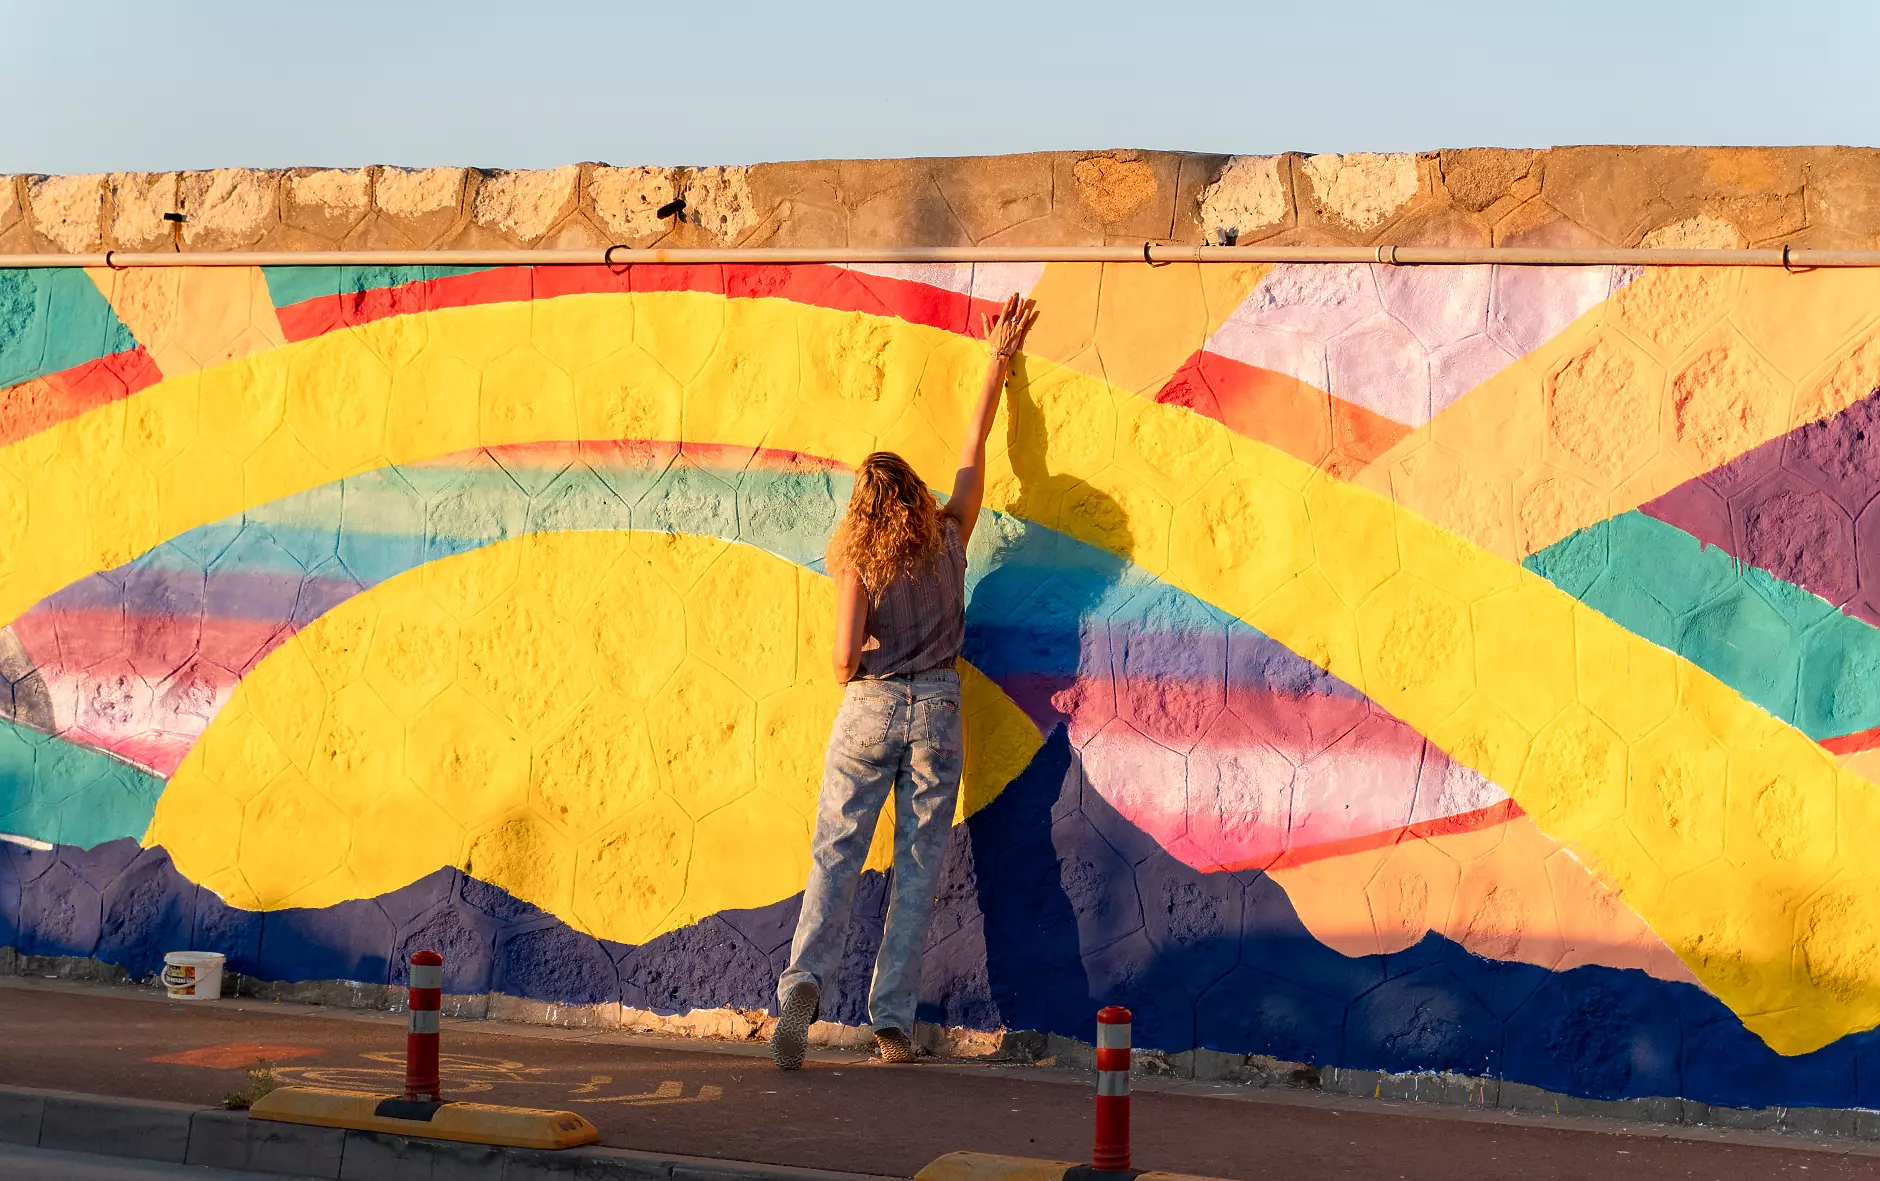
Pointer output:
x,y
595,685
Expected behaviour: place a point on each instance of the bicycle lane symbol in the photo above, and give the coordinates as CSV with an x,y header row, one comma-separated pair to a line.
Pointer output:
x,y
469,1074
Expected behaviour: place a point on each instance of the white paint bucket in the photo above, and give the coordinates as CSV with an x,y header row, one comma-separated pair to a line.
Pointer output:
x,y
193,975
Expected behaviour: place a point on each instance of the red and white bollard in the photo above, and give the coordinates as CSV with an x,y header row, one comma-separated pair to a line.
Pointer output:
x,y
1111,1154
427,995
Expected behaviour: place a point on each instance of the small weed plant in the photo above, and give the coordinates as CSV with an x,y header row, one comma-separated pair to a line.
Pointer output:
x,y
261,1080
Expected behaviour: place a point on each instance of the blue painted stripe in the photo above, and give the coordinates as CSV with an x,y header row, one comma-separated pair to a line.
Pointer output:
x,y
1787,650
53,319
54,790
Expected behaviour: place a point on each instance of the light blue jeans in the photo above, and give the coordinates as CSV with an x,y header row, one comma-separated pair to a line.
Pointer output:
x,y
900,734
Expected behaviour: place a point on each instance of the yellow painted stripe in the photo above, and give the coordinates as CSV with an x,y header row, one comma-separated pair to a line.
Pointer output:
x,y
624,729
1780,919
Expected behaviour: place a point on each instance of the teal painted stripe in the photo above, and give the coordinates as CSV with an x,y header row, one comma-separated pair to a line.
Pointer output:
x,y
53,790
52,319
291,285
1781,647
380,523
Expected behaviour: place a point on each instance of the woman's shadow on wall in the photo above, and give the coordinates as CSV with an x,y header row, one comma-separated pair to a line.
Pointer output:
x,y
1038,624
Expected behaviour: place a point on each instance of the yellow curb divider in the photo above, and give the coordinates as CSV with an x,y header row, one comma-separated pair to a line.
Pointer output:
x,y
985,1166
472,1123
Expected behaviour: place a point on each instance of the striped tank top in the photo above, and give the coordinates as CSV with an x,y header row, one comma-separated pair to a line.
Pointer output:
x,y
917,623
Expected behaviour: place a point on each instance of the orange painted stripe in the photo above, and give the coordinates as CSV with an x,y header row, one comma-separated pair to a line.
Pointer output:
x,y
1278,409
231,1055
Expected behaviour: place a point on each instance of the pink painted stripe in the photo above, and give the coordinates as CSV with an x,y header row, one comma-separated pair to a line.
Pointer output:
x,y
148,646
1262,788
151,721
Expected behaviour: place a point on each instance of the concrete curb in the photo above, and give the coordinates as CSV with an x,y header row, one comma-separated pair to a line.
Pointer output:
x,y
179,1133
981,1166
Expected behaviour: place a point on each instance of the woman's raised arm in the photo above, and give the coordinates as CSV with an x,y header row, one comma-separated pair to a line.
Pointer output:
x,y
1004,334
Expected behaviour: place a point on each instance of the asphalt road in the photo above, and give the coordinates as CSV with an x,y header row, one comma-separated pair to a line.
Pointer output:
x,y
841,1112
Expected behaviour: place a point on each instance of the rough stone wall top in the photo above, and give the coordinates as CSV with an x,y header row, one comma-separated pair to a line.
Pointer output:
x,y
1826,197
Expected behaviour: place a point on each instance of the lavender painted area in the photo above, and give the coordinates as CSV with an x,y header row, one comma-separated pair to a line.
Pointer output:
x,y
1802,507
1529,306
1403,342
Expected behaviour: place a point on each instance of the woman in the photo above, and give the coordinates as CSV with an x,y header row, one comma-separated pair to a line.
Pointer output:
x,y
899,561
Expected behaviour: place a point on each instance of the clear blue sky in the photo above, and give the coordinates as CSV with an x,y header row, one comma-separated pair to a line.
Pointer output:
x,y
98,85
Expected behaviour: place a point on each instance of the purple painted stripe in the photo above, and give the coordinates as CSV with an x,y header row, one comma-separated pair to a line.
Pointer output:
x,y
224,594
1801,507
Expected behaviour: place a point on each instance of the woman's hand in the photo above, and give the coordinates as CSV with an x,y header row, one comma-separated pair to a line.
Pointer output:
x,y
1006,331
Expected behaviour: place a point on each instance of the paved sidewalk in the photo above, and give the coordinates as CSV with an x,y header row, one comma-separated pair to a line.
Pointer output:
x,y
42,1164
842,1112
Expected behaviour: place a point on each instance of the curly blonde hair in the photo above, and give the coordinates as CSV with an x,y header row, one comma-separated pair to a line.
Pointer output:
x,y
892,525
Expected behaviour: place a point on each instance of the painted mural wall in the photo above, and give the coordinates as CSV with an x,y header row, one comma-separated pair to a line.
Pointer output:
x,y
1454,669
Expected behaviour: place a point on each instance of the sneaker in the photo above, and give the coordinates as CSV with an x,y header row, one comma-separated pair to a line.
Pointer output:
x,y
791,1038
894,1045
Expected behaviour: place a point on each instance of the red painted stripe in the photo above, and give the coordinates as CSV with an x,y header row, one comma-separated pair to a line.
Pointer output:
x,y
31,407
1279,409
329,313
816,285
1848,744
1113,1059
1481,818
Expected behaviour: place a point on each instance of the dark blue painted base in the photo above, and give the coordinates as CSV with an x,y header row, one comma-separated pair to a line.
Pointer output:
x,y
1051,906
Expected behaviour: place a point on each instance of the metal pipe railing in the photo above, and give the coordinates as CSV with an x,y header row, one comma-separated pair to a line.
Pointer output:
x,y
1147,252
